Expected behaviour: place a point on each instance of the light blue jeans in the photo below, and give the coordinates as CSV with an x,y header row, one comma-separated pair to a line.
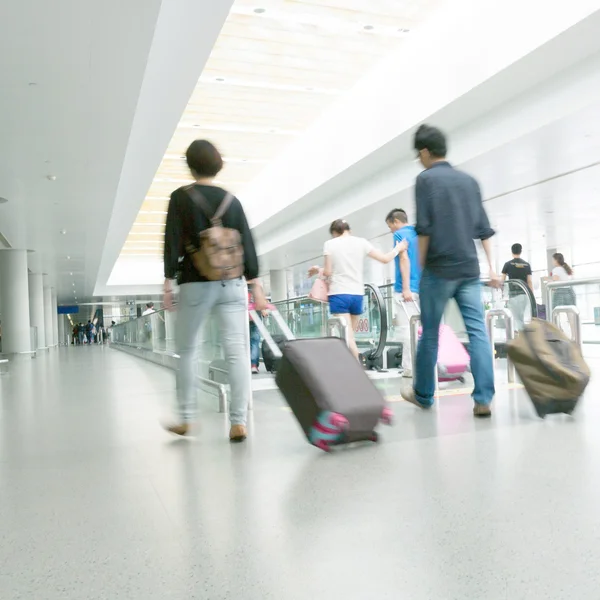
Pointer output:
x,y
228,302
254,345
434,295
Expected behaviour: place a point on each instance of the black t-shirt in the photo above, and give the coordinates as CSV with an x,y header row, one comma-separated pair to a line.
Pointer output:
x,y
185,220
517,268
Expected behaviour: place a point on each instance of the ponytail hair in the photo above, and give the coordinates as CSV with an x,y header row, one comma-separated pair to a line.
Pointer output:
x,y
339,226
560,259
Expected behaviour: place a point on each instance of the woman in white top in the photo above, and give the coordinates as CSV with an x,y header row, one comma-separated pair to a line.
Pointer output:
x,y
344,260
563,296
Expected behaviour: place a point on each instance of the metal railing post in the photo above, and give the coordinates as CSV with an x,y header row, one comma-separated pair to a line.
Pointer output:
x,y
337,323
569,310
414,321
490,318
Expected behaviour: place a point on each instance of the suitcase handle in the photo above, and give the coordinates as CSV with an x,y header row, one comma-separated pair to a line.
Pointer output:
x,y
403,303
283,326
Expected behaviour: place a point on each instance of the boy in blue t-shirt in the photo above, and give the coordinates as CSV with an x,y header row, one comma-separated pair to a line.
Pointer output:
x,y
408,279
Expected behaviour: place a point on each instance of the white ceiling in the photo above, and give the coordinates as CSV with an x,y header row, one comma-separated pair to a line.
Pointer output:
x,y
91,92
71,72
541,190
109,83
274,68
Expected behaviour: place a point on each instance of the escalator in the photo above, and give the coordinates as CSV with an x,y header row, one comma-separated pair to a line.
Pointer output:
x,y
308,318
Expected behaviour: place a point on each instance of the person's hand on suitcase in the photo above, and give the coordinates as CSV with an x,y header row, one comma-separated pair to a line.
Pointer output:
x,y
407,296
495,281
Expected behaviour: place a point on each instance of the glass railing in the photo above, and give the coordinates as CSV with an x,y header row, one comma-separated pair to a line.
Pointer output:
x,y
585,295
308,319
377,326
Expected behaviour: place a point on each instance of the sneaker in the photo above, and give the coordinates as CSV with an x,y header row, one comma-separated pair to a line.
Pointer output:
x,y
482,411
254,370
407,373
238,433
408,394
178,429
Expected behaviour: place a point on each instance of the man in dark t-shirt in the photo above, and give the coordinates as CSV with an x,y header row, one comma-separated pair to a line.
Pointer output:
x,y
450,216
518,269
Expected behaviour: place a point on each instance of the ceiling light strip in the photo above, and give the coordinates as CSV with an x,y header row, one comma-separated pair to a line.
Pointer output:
x,y
332,25
235,128
268,85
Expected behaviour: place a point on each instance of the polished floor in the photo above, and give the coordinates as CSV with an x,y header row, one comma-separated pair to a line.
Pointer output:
x,y
97,502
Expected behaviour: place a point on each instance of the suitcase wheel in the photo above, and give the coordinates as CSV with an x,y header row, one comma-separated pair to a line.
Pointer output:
x,y
322,445
374,437
387,416
338,421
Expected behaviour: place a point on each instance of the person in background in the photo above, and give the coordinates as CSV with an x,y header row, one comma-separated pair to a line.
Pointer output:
x,y
344,261
189,213
408,279
149,309
255,339
450,216
564,296
518,269
90,332
81,333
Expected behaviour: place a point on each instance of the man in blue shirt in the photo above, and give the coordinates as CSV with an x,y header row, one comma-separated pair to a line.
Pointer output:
x,y
408,278
450,216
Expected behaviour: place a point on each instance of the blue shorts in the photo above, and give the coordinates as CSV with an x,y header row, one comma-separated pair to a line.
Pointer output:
x,y
344,304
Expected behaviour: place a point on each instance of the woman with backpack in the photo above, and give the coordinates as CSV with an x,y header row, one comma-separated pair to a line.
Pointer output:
x,y
210,250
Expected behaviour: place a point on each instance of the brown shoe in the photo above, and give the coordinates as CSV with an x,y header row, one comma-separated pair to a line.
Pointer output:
x,y
482,411
408,394
237,433
178,429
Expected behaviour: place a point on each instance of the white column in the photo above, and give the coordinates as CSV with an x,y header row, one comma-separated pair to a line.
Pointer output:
x,y
48,325
62,337
278,285
36,307
14,300
54,317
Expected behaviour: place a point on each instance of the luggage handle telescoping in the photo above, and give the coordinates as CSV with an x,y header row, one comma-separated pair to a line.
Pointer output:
x,y
404,303
283,326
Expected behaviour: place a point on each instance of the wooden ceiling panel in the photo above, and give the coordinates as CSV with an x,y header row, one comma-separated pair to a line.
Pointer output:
x,y
214,94
269,76
358,12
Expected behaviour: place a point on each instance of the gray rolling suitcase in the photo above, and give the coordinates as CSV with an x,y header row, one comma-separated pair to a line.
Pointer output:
x,y
328,391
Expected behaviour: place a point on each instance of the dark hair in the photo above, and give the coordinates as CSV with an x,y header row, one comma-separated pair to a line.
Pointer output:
x,y
150,305
339,226
432,139
560,259
516,249
397,214
203,159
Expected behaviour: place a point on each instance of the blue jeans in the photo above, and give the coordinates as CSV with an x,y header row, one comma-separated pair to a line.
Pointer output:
x,y
254,345
434,295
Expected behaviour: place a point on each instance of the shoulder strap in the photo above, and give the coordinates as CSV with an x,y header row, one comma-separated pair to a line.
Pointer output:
x,y
199,200
202,203
225,204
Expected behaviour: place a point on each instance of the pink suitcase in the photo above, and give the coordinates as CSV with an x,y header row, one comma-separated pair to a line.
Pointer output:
x,y
453,359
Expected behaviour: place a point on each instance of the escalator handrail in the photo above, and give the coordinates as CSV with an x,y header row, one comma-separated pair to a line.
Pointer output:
x,y
527,290
383,329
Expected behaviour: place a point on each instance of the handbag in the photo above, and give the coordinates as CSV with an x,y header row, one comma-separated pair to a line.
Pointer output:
x,y
320,289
